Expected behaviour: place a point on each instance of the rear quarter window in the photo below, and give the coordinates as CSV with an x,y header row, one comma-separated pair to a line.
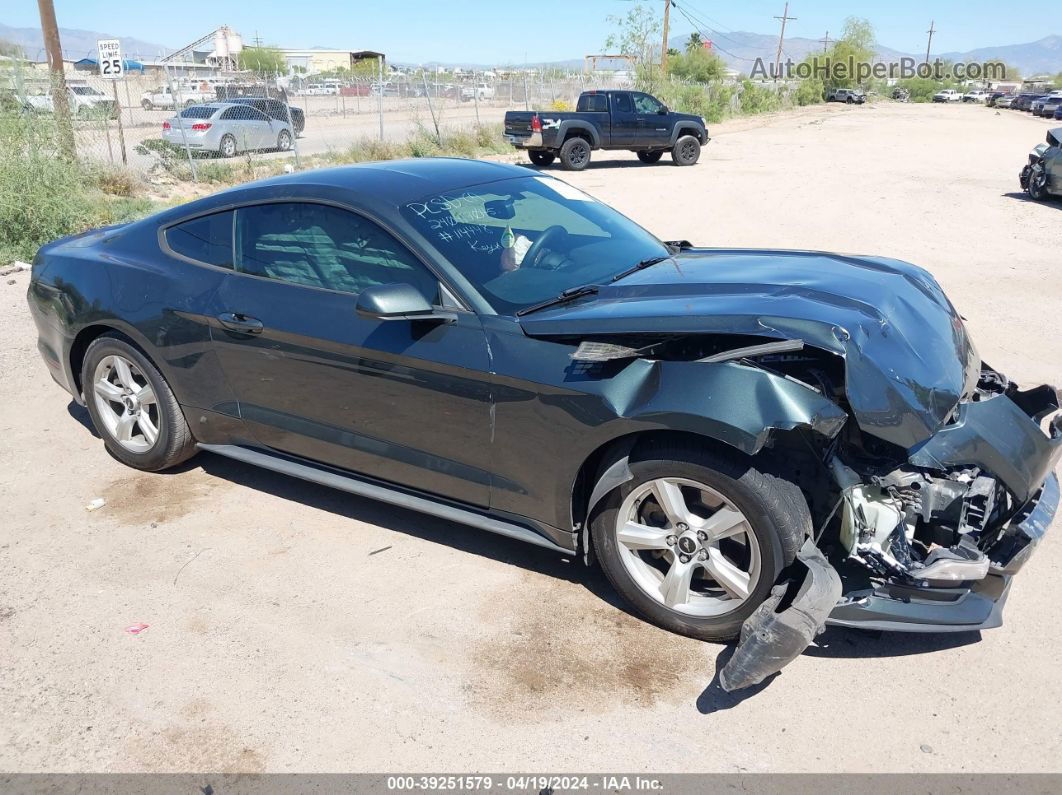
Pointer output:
x,y
207,239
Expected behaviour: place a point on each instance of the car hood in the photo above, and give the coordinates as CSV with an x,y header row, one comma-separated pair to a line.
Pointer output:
x,y
909,360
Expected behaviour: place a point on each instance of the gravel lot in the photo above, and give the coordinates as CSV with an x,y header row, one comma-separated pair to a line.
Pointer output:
x,y
292,628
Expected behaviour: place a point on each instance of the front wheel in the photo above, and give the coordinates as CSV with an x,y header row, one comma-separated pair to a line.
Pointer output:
x,y
695,541
146,104
540,157
686,151
133,408
1038,185
650,157
575,154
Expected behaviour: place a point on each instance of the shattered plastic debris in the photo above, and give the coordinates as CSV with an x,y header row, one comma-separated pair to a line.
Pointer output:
x,y
136,629
96,504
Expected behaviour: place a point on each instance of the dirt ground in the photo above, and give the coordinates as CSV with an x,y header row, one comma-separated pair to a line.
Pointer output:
x,y
292,628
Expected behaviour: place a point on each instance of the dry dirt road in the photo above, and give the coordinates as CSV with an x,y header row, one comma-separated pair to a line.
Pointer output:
x,y
292,628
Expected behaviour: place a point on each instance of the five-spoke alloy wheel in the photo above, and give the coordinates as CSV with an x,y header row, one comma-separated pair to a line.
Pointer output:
x,y
126,403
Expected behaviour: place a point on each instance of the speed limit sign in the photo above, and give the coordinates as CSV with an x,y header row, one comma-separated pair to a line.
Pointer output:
x,y
110,51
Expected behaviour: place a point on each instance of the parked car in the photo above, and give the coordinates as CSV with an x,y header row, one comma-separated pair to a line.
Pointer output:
x,y
607,120
1051,105
226,128
1037,106
276,109
991,99
851,96
228,91
1058,113
85,102
901,94
1042,175
168,98
976,95
947,95
330,88
1004,101
468,340
480,91
1024,100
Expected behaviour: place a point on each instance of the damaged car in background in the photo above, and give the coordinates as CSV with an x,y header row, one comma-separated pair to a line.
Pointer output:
x,y
752,444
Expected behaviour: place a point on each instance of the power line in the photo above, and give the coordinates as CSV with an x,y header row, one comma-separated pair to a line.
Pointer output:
x,y
701,28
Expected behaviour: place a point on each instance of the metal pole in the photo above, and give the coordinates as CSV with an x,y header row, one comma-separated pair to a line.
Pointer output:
x,y
527,104
107,132
475,95
379,94
291,125
60,97
128,101
121,132
180,123
427,94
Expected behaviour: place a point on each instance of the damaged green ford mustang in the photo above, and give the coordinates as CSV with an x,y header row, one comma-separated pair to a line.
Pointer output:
x,y
751,444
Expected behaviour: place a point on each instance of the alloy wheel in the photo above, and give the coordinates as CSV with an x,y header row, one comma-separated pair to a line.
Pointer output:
x,y
688,151
126,404
688,547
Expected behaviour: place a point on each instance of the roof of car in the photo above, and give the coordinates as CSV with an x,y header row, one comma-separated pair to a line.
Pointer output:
x,y
383,185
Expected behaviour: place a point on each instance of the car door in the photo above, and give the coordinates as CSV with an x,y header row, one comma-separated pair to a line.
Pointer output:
x,y
624,120
400,400
653,125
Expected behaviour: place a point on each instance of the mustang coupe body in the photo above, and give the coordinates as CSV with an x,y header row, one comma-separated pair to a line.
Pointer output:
x,y
748,442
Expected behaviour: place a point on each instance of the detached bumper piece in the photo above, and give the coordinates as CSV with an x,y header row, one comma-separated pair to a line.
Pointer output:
x,y
771,639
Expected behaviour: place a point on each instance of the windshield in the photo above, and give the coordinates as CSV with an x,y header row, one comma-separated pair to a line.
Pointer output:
x,y
522,241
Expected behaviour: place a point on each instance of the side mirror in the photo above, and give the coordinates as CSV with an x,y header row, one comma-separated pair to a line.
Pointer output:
x,y
398,302
662,111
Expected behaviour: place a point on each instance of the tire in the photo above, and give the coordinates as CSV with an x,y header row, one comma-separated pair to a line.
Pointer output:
x,y
146,104
284,141
188,103
575,154
686,151
160,437
650,157
227,147
773,509
1038,186
540,157
849,101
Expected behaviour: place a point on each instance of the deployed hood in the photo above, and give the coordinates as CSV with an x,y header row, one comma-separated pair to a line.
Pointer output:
x,y
908,357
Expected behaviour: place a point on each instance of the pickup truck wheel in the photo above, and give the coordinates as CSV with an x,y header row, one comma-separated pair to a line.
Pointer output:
x,y
575,154
686,151
540,157
695,540
650,157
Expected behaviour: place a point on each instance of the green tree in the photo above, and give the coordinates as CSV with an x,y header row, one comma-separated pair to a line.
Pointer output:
x,y
694,42
699,65
264,61
636,34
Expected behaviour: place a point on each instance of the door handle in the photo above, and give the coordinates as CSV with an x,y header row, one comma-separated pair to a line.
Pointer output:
x,y
234,321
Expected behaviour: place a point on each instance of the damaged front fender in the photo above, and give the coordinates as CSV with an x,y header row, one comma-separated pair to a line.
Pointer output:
x,y
771,639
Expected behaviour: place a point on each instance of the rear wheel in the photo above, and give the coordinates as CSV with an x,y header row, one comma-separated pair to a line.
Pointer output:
x,y
146,104
650,157
686,151
575,154
695,541
540,157
227,147
284,141
133,408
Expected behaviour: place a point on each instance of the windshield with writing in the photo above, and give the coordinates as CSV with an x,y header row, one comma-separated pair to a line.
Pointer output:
x,y
525,240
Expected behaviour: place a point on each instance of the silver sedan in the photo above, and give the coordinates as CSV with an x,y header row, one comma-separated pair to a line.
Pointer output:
x,y
226,128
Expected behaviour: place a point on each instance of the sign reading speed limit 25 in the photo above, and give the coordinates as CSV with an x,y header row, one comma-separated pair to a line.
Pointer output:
x,y
110,51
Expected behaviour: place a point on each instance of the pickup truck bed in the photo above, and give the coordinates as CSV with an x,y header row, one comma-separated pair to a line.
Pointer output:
x,y
628,120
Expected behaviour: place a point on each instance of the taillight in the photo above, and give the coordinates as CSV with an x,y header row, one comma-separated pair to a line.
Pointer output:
x,y
201,126
165,125
536,123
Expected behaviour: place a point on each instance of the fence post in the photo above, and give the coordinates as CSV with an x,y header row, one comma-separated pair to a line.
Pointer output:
x,y
431,108
527,104
475,95
379,93
291,124
121,132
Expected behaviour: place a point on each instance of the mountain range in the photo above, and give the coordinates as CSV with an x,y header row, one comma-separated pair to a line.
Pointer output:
x,y
739,49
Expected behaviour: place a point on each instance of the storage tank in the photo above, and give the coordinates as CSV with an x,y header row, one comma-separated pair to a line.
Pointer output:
x,y
235,43
221,43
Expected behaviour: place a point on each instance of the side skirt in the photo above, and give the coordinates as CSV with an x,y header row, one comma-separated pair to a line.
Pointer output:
x,y
382,493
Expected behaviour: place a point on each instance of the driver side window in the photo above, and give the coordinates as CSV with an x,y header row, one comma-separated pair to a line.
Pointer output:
x,y
643,103
316,245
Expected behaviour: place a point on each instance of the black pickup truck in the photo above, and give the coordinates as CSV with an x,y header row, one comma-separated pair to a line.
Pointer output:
x,y
607,120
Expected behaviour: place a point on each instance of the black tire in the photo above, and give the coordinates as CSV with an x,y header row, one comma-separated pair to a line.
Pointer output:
x,y
575,154
540,157
849,101
686,151
174,444
227,146
1038,186
773,506
650,157
284,141
146,104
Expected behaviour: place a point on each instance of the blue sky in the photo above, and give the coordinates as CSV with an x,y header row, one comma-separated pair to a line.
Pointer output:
x,y
501,31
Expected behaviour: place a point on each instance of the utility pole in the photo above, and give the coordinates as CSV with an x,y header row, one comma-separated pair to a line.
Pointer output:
x,y
826,41
60,99
929,43
781,36
663,52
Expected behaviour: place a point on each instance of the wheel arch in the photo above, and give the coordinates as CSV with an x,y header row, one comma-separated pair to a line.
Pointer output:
x,y
572,129
90,333
689,128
